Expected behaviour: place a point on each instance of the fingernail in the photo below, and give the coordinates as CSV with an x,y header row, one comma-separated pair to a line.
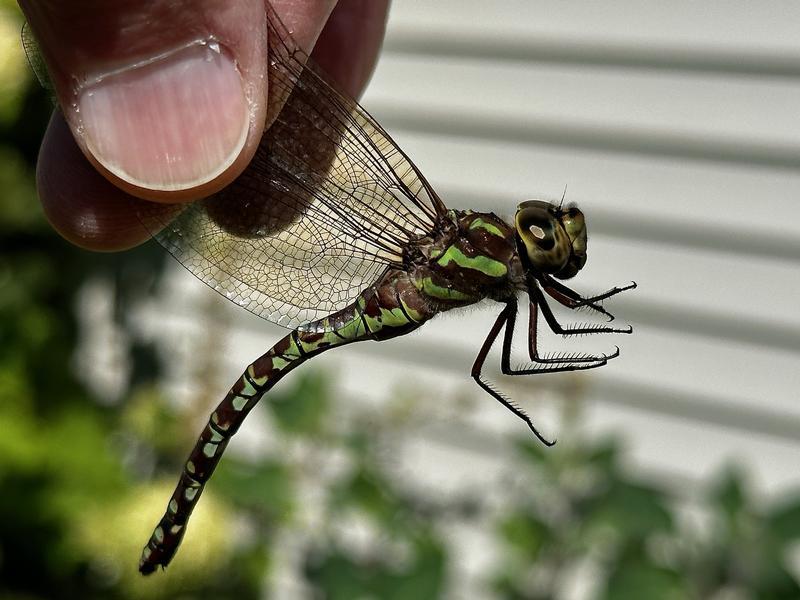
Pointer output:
x,y
171,124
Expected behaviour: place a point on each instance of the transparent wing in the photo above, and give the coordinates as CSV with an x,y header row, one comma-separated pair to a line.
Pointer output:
x,y
327,204
35,59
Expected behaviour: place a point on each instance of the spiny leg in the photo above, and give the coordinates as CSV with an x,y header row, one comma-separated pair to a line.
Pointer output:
x,y
571,299
502,319
533,352
538,298
557,364
567,296
602,296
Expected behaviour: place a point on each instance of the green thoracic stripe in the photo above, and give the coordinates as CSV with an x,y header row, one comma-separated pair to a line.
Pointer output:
x,y
484,264
437,291
480,223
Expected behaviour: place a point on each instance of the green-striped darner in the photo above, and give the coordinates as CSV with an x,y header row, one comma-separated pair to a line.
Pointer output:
x,y
333,232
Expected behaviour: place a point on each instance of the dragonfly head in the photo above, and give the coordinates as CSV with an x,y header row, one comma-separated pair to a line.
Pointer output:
x,y
554,238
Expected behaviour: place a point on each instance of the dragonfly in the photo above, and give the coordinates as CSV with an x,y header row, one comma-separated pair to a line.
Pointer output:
x,y
334,233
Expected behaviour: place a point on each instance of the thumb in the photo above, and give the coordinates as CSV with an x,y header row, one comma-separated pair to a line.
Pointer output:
x,y
166,98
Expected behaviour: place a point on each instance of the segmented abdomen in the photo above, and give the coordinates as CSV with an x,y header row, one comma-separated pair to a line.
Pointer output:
x,y
391,308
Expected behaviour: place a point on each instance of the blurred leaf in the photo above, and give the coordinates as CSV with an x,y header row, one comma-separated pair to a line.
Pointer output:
x,y
728,493
525,533
534,452
265,487
630,510
79,454
21,210
337,576
640,580
774,582
303,407
148,416
366,491
505,586
783,520
603,455
359,442
14,72
423,577
19,444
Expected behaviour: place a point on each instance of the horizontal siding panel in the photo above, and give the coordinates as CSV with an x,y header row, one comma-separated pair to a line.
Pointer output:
x,y
755,201
734,286
693,451
726,24
727,110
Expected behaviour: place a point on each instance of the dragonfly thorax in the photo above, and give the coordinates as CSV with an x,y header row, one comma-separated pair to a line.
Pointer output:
x,y
553,239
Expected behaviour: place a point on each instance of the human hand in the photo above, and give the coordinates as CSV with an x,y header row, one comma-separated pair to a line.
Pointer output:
x,y
149,111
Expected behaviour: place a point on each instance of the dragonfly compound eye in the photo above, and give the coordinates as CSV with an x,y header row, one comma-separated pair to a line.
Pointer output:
x,y
574,224
554,240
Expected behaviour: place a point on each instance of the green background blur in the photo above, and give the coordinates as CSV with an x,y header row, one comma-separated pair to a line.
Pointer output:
x,y
82,479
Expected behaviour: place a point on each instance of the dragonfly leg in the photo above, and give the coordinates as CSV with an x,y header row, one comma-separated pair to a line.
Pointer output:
x,y
506,318
562,359
555,364
549,317
571,299
568,297
607,294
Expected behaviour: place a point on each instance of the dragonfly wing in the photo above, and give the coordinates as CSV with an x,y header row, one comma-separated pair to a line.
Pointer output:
x,y
327,204
35,60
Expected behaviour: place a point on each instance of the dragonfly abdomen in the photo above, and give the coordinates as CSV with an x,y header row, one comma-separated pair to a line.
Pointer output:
x,y
226,419
390,308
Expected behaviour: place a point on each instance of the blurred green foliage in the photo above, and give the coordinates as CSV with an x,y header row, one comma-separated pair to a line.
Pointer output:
x,y
82,479
586,510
